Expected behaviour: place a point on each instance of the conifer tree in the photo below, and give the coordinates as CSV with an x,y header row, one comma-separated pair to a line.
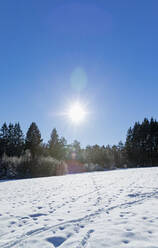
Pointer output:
x,y
18,140
33,139
3,139
11,140
142,143
56,146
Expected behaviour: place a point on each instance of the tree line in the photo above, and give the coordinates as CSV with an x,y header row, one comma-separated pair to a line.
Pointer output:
x,y
142,143
139,149
14,143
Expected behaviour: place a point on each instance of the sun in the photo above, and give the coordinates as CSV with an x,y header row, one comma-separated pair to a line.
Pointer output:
x,y
77,113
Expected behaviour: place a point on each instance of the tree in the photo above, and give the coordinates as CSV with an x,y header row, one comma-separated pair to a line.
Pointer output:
x,y
33,139
142,143
3,139
11,140
18,140
99,155
76,151
57,146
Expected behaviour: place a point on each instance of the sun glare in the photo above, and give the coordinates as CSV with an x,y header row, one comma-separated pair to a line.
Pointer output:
x,y
77,113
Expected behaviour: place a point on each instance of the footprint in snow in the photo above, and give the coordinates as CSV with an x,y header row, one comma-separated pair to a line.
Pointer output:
x,y
36,215
60,219
56,241
144,218
61,227
85,239
125,241
129,229
82,226
39,207
12,222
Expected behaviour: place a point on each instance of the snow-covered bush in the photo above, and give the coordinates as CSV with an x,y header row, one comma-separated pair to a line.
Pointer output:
x,y
8,166
48,166
25,166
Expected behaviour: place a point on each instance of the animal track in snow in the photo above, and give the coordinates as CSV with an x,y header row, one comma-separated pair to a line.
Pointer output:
x,y
56,241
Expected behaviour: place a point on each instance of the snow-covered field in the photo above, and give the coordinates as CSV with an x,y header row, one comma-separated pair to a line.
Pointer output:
x,y
93,210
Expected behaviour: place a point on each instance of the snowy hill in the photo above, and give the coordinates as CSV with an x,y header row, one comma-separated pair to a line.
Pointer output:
x,y
92,210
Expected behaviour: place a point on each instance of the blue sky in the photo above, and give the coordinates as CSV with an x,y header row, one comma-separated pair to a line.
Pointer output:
x,y
113,44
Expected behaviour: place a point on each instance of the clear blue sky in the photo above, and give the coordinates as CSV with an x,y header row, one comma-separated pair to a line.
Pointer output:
x,y
115,45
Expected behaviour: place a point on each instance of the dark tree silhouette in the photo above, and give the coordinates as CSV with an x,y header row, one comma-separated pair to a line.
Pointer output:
x,y
33,140
56,146
18,140
142,143
3,139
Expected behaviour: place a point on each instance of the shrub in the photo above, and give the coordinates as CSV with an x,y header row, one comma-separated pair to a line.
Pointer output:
x,y
44,166
93,167
8,166
25,167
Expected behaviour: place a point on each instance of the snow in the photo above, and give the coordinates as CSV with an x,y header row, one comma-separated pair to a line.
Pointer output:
x,y
93,210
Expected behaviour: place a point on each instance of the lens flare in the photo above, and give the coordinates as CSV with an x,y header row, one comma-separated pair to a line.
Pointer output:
x,y
76,113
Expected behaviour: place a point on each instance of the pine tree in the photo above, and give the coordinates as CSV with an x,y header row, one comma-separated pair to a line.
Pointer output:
x,y
18,140
54,138
142,143
57,146
129,146
33,139
10,147
3,139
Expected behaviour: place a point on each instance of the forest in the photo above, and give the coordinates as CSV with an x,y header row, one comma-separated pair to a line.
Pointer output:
x,y
24,156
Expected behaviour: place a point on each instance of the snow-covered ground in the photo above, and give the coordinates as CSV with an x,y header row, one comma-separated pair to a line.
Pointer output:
x,y
93,210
